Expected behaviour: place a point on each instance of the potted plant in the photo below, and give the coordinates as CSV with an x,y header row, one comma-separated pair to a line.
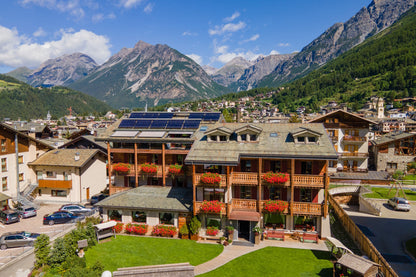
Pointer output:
x,y
194,227
257,231
121,168
272,178
184,232
209,178
230,231
149,168
223,240
175,169
212,231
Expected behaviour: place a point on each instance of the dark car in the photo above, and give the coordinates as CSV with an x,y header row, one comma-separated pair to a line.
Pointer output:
x,y
97,198
9,216
61,217
29,234
77,209
26,211
9,240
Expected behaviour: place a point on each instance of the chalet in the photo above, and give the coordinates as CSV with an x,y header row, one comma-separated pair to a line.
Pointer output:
x,y
243,155
349,134
69,175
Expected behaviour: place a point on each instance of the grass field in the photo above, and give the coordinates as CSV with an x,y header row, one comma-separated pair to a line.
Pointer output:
x,y
277,261
127,251
382,193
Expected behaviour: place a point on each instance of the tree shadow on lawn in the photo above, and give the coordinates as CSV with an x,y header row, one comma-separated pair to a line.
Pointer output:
x,y
323,255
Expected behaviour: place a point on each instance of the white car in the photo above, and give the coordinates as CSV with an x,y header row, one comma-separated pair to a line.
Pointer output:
x,y
77,209
399,203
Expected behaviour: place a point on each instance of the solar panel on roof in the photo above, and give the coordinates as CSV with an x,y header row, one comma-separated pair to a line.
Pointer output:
x,y
175,124
150,115
126,123
196,115
211,117
165,115
159,124
142,123
191,124
136,115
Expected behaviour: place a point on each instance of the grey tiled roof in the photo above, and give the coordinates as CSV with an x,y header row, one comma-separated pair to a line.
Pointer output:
x,y
65,157
392,137
151,198
278,145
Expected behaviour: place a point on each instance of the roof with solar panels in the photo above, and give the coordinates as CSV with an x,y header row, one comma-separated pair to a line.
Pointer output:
x,y
161,126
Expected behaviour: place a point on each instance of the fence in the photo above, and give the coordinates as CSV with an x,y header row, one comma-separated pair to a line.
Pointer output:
x,y
365,245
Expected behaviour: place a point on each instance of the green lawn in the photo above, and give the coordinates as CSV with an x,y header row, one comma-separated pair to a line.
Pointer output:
x,y
411,246
382,193
410,177
127,251
277,261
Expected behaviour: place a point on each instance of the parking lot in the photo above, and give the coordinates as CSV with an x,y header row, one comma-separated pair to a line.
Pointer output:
x,y
388,233
33,225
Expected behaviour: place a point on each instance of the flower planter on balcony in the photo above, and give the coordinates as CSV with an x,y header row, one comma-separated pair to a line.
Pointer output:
x,y
274,178
175,169
209,178
149,168
121,168
275,206
211,207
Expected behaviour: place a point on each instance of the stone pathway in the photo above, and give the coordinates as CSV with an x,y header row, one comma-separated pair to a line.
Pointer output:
x,y
233,251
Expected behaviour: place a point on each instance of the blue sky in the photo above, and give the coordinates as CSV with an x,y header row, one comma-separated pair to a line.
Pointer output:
x,y
211,32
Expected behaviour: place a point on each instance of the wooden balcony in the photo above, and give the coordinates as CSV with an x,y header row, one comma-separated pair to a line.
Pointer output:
x,y
286,211
353,155
244,178
55,184
132,172
286,184
223,182
199,203
114,189
301,208
244,204
309,181
354,139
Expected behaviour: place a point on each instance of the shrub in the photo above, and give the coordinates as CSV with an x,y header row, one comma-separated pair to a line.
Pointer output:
x,y
164,230
194,225
184,230
42,250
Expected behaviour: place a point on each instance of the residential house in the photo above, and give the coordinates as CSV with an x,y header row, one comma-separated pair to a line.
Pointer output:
x,y
242,154
69,175
14,162
349,134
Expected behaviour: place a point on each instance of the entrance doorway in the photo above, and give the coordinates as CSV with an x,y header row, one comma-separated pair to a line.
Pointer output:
x,y
244,230
88,193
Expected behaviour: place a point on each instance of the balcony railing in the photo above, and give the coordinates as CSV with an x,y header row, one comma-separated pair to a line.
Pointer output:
x,y
223,182
315,181
114,189
286,211
244,178
131,172
56,184
198,205
244,204
301,208
354,155
354,139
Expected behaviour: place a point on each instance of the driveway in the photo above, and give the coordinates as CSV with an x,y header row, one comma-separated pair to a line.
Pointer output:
x,y
388,233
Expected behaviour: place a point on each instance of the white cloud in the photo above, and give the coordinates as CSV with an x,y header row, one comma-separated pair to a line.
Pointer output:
x,y
73,7
283,44
186,33
100,17
17,50
227,28
274,52
231,18
149,8
39,32
196,58
253,38
130,3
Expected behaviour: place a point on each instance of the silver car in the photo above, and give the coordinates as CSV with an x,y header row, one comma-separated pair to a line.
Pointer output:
x,y
26,211
399,203
9,240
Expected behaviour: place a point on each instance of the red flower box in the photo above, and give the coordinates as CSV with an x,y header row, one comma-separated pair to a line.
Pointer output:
x,y
121,168
275,178
136,229
175,169
212,231
210,178
211,206
118,228
275,206
164,231
149,168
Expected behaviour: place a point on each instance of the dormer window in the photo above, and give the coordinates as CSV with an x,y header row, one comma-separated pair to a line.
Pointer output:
x,y
243,137
253,137
311,139
301,139
305,135
223,138
213,138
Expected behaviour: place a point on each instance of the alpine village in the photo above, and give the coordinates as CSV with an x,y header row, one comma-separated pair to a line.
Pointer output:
x,y
148,164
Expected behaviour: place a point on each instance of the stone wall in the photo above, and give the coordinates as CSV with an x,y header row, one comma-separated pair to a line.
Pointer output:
x,y
168,270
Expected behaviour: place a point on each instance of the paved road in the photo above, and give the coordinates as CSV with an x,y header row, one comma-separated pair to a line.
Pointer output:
x,y
388,233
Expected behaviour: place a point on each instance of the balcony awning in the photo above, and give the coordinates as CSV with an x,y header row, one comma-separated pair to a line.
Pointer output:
x,y
244,215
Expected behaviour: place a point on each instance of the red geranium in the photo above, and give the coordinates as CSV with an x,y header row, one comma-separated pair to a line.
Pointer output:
x,y
175,168
164,231
210,178
274,206
136,229
212,231
149,168
121,167
211,206
275,178
119,227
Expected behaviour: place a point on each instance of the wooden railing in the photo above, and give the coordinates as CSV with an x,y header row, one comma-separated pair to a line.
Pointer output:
x,y
315,181
355,138
131,172
198,205
114,189
244,204
223,182
354,154
301,208
365,245
244,178
286,211
286,184
56,184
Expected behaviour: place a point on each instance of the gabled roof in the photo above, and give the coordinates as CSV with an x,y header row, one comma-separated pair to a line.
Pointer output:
x,y
22,135
66,157
356,263
304,130
250,127
220,130
347,115
388,138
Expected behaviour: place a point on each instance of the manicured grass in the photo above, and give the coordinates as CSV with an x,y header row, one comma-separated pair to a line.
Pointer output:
x,y
410,177
277,261
382,193
411,246
127,251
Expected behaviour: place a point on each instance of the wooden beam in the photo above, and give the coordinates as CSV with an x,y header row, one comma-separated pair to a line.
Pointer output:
x,y
259,185
292,185
109,164
326,185
194,188
228,200
163,165
136,167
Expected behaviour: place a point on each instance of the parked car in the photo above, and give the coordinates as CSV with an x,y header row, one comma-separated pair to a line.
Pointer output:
x,y
15,239
77,209
26,211
97,198
399,203
9,216
61,217
29,234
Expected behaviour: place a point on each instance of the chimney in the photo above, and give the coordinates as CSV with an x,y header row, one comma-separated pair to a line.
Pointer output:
x,y
76,156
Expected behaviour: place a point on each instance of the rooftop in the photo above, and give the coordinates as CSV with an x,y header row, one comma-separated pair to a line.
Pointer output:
x,y
65,157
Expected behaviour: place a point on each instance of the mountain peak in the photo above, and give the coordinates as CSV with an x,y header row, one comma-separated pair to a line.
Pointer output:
x,y
140,45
